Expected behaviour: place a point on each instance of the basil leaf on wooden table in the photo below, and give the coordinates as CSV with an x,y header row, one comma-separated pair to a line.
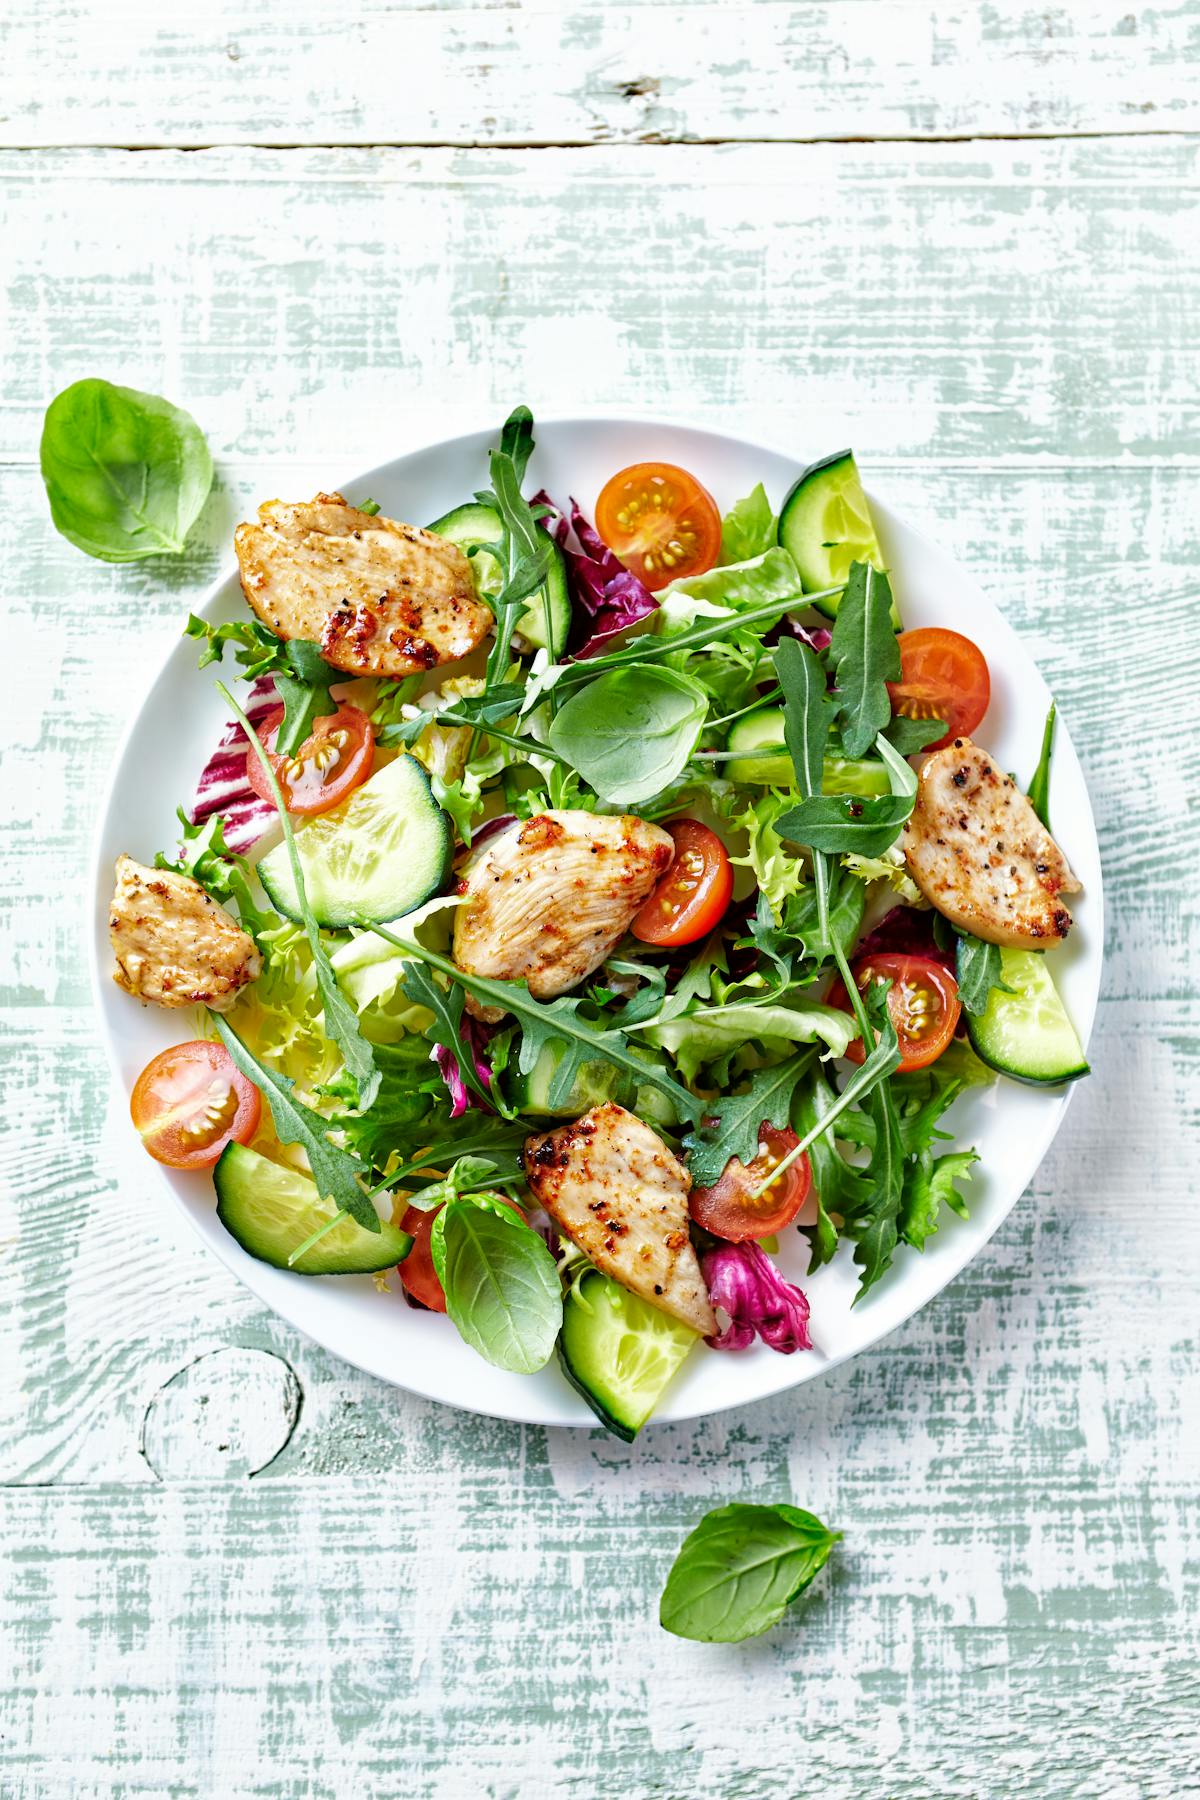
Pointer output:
x,y
740,1570
126,473
501,1283
630,732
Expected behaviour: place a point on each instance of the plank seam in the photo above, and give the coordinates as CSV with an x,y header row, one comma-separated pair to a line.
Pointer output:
x,y
642,140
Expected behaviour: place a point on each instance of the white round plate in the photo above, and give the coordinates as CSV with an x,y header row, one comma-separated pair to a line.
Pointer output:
x,y
1011,1126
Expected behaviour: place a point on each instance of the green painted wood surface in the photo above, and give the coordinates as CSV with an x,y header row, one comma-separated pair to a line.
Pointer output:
x,y
231,1565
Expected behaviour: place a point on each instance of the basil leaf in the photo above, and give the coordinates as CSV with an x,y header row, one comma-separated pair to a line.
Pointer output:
x,y
630,732
334,1171
126,473
733,1124
740,1569
807,712
748,528
501,1284
866,656
1039,787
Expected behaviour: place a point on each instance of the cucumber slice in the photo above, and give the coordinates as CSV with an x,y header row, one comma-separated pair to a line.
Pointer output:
x,y
826,524
1027,1034
271,1210
375,857
763,731
594,1083
619,1351
546,621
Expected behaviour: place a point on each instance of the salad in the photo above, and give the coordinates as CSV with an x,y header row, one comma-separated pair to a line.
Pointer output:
x,y
574,906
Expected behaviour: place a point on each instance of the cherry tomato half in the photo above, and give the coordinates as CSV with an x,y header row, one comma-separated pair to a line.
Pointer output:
x,y
327,766
190,1102
660,521
943,675
728,1208
417,1272
692,896
922,1001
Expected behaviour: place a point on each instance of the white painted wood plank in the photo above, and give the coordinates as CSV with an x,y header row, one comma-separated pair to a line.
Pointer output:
x,y
293,71
994,302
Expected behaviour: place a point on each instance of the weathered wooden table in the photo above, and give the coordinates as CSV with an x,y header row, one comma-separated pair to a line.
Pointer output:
x,y
967,240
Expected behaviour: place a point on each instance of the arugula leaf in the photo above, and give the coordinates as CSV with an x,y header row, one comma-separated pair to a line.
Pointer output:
x,y
501,1283
409,1090
804,925
303,685
335,1171
630,732
807,712
516,439
977,970
341,1020
740,1569
876,1233
466,1175
910,735
748,528
839,823
126,473
929,1183
838,1187
435,1142
555,1022
866,656
733,1123
446,1005
1039,787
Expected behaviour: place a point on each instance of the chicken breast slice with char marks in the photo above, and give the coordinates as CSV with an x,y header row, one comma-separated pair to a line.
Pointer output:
x,y
613,1187
173,944
380,597
980,854
547,898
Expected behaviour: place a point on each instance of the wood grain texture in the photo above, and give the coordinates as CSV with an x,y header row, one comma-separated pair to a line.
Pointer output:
x,y
652,72
229,1565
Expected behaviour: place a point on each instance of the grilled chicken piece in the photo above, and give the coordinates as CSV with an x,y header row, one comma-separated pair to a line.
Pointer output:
x,y
379,597
614,1188
980,854
173,944
546,899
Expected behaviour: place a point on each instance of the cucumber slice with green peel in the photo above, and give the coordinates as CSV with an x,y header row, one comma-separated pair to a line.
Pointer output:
x,y
594,1083
619,1352
762,731
826,524
377,856
271,1211
1027,1034
477,530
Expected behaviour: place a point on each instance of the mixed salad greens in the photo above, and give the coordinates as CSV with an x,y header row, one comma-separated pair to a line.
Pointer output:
x,y
783,1010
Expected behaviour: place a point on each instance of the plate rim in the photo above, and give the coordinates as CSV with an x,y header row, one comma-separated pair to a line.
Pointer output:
x,y
235,1261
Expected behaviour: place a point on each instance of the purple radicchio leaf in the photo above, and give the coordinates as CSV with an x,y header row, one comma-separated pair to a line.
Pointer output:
x,y
906,931
607,598
745,1283
474,1035
224,787
817,637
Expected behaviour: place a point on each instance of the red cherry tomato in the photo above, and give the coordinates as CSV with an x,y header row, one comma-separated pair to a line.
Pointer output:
x,y
327,766
692,896
417,1272
729,1210
943,675
190,1102
660,521
922,1001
